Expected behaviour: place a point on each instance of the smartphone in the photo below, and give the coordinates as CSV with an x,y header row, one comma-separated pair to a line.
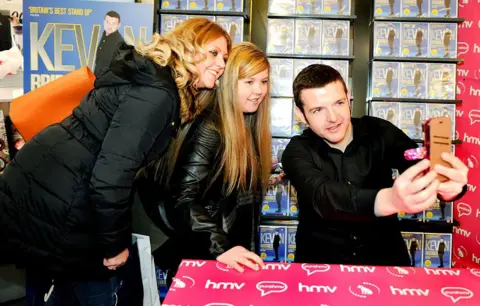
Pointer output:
x,y
438,139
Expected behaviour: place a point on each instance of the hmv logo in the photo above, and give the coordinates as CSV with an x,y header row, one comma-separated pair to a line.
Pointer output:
x,y
223,285
442,272
357,269
475,259
192,263
316,289
409,292
276,267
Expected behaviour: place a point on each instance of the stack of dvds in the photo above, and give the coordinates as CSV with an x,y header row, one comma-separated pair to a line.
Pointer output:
x,y
230,14
299,33
413,77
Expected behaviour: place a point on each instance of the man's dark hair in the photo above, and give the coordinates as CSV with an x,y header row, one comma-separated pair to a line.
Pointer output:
x,y
315,76
113,14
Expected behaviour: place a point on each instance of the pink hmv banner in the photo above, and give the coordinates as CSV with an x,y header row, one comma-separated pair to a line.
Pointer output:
x,y
466,239
209,283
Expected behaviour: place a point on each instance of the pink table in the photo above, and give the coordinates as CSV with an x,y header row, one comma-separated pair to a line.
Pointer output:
x,y
208,283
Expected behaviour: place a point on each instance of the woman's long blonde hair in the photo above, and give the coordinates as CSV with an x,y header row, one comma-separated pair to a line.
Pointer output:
x,y
246,159
177,49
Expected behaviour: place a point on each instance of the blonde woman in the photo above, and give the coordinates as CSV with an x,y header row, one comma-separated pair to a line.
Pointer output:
x,y
217,173
65,198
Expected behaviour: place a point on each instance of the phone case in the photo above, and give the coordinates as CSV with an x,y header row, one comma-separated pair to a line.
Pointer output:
x,y
438,139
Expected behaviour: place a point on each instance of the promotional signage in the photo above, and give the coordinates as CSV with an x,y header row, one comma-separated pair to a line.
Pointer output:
x,y
466,237
209,283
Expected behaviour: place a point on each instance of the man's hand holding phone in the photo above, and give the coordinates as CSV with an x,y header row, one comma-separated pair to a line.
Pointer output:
x,y
457,177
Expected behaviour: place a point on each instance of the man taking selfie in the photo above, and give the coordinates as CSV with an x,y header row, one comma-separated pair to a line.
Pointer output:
x,y
342,167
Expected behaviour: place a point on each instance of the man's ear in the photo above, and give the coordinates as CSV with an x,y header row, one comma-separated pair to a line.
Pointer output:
x,y
349,98
300,115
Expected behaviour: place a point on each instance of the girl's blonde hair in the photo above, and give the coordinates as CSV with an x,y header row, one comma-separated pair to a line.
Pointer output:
x,y
246,159
177,49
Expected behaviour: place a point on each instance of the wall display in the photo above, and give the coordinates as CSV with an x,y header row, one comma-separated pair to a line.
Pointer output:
x,y
62,38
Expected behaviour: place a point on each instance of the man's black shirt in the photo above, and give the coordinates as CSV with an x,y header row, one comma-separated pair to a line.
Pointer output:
x,y
336,193
106,49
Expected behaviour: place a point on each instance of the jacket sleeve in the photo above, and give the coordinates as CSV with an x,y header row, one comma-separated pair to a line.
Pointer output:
x,y
329,198
138,121
187,186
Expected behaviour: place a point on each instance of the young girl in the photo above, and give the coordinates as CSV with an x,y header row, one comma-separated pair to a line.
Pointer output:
x,y
65,198
216,172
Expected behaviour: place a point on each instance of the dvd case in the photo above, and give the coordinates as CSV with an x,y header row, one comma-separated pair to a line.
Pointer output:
x,y
385,77
300,64
415,8
437,251
201,5
414,242
275,202
281,113
309,7
308,36
389,111
272,243
336,7
386,38
443,40
341,66
280,36
440,211
414,41
387,8
413,116
336,37
169,22
413,80
229,5
281,77
293,205
443,110
161,282
444,8
441,81
419,217
281,7
174,5
291,243
278,146
233,25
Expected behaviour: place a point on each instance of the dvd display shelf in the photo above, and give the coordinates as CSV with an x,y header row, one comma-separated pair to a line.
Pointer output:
x,y
233,15
415,87
295,38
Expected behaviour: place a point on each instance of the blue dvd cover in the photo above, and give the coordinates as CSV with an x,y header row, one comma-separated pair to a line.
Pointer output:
x,y
437,251
414,244
273,243
275,201
291,243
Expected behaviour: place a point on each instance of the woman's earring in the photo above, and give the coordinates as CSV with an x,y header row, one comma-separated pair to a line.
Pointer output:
x,y
217,83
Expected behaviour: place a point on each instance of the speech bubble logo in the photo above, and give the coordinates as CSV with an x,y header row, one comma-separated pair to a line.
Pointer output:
x,y
464,209
460,88
314,268
457,293
474,116
223,267
401,271
475,272
461,252
462,48
269,287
